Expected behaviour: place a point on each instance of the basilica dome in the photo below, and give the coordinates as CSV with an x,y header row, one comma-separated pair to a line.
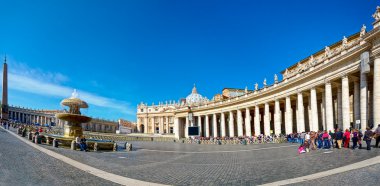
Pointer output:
x,y
195,98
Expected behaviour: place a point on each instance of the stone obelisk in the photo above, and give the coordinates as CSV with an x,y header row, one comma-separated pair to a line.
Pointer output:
x,y
4,101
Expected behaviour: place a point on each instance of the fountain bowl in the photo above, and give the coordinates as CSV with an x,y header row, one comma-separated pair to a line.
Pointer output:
x,y
73,118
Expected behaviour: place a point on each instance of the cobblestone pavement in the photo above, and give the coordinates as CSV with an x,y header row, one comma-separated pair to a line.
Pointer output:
x,y
192,164
364,176
21,164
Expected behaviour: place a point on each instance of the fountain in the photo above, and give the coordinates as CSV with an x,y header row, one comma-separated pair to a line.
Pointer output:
x,y
73,117
73,126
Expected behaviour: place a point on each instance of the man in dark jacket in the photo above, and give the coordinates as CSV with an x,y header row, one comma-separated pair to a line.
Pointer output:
x,y
338,138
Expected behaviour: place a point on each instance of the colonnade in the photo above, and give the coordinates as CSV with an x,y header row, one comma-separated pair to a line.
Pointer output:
x,y
26,117
155,124
348,101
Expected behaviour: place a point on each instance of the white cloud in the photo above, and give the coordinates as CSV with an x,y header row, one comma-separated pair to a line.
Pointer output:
x,y
36,73
48,84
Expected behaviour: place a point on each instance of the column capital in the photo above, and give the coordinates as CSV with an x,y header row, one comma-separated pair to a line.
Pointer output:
x,y
344,76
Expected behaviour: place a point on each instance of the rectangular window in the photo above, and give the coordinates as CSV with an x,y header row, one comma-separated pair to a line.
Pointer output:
x,y
171,130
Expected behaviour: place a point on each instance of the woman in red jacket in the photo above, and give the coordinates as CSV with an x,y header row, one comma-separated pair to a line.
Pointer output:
x,y
346,137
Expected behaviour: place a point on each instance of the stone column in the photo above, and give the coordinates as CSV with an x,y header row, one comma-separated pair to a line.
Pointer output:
x,y
329,107
266,119
161,129
247,122
207,126
277,117
200,125
187,124
314,109
300,113
231,124
167,125
376,91
176,128
339,110
214,125
223,124
345,103
363,101
356,101
239,123
288,116
323,112
257,121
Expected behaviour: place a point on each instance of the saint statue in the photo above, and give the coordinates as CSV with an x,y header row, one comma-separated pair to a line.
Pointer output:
x,y
265,82
311,61
246,90
285,75
327,51
376,15
344,42
275,78
256,86
363,30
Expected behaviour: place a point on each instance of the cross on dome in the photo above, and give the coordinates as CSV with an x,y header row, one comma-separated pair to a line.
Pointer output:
x,y
194,91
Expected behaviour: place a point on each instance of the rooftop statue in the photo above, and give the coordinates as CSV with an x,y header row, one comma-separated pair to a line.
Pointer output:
x,y
344,42
327,51
376,15
256,86
363,30
311,61
265,82
275,78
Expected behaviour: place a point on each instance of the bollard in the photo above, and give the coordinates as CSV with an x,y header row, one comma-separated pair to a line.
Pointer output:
x,y
115,147
30,136
73,145
47,141
129,147
35,139
126,146
95,147
55,143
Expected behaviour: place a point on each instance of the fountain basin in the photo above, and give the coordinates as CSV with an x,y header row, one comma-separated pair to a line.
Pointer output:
x,y
73,118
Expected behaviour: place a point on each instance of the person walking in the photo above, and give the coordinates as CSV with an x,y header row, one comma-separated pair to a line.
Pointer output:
x,y
332,138
368,137
377,136
338,138
326,140
302,137
320,139
346,137
360,138
307,137
355,136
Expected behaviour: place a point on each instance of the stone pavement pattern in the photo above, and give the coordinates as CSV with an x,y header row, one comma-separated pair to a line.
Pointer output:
x,y
364,176
21,164
186,164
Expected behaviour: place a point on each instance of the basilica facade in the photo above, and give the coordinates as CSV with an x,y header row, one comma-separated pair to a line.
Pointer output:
x,y
336,87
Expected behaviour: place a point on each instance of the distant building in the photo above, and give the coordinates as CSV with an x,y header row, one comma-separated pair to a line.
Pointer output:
x,y
47,118
126,127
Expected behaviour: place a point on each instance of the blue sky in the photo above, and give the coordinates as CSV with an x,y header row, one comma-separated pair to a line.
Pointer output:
x,y
121,52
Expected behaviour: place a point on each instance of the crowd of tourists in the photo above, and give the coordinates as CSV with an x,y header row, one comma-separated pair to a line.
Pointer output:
x,y
335,139
238,140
